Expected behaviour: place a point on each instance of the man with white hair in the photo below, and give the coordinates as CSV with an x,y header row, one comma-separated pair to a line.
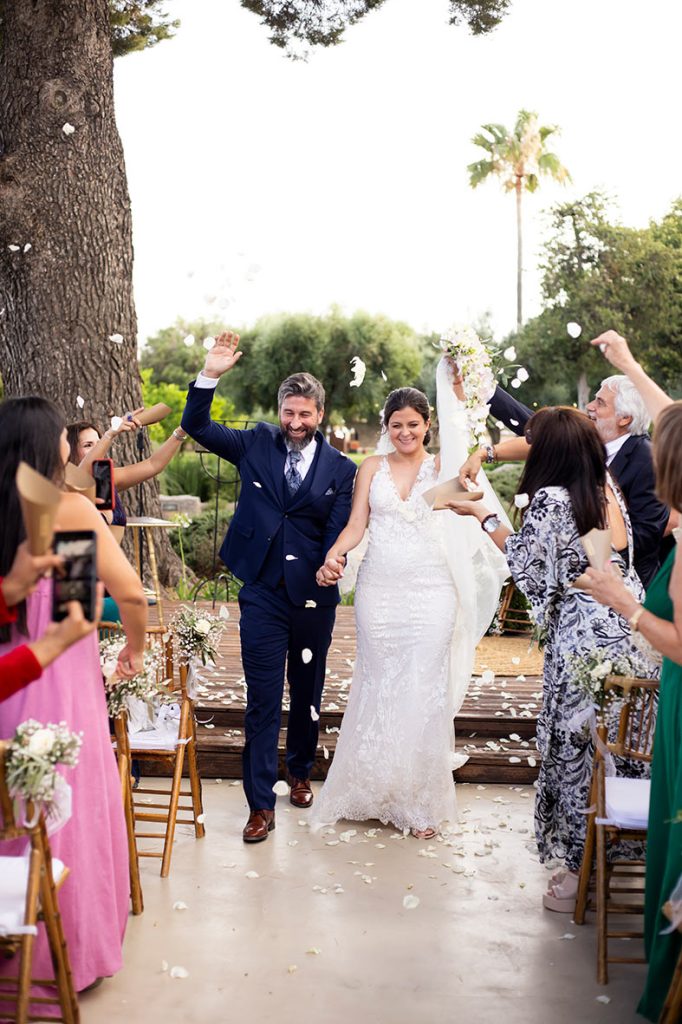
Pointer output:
x,y
622,422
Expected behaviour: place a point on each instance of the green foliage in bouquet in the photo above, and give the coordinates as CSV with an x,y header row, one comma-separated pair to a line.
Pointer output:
x,y
33,755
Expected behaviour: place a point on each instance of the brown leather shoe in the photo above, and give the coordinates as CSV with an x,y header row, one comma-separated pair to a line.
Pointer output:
x,y
301,794
258,826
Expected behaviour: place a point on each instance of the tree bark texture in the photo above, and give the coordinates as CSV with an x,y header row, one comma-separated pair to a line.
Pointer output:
x,y
66,253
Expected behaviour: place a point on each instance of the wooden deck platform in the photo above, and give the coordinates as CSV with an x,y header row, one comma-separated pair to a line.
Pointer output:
x,y
495,726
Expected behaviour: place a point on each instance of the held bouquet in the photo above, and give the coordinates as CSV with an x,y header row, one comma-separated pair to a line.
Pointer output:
x,y
463,345
196,634
148,685
32,759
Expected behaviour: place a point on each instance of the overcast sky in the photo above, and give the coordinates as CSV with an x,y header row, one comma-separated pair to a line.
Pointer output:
x,y
260,185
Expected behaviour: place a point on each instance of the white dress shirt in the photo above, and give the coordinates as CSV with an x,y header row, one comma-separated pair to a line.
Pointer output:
x,y
308,452
613,447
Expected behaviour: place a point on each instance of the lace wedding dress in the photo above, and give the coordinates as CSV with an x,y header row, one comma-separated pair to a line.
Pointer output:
x,y
427,590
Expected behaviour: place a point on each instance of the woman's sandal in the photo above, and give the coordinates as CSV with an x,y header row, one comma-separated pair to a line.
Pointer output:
x,y
426,833
561,895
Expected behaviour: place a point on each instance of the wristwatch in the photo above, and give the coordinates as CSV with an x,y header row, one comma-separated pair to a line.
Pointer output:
x,y
179,434
489,453
491,523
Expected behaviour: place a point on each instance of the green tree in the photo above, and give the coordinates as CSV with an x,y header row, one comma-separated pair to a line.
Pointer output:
x,y
519,158
324,346
601,274
154,391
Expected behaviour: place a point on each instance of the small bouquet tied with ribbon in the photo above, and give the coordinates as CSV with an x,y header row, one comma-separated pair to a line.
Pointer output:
x,y
196,636
32,777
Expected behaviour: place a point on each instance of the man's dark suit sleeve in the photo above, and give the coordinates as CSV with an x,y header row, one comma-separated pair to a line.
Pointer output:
x,y
648,516
505,407
229,444
340,512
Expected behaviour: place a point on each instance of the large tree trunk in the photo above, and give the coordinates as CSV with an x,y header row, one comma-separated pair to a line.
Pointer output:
x,y
66,254
519,257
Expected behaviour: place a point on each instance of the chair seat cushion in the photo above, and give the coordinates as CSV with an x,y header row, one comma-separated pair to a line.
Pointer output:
x,y
13,884
627,802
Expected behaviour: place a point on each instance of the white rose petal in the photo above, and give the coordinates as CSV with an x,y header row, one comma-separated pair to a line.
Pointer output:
x,y
116,338
325,753
603,999
522,374
521,501
488,676
280,788
14,248
224,612
514,423
292,968
383,376
80,401
256,484
514,736
179,905
251,874
115,422
410,902
510,353
28,247
164,965
208,343
306,655
291,558
179,972
514,760
201,818
359,370
188,340
311,604
203,627
313,951
313,714
516,383
516,660
573,329
531,762
68,129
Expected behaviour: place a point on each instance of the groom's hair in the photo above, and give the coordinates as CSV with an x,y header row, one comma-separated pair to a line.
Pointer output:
x,y
301,385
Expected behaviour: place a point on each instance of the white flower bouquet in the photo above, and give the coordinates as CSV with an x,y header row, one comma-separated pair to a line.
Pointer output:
x,y
474,361
589,673
196,635
32,758
148,685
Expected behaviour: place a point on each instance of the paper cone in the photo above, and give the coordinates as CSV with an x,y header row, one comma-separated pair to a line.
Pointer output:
x,y
450,490
597,545
79,481
39,500
153,414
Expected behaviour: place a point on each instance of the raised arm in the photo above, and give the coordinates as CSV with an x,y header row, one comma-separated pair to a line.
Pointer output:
x,y
616,349
138,472
354,531
514,450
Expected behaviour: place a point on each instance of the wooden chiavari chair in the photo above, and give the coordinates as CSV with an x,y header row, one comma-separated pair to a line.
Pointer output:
x,y
28,894
621,807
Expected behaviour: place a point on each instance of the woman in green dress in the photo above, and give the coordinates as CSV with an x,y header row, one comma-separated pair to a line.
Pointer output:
x,y
659,620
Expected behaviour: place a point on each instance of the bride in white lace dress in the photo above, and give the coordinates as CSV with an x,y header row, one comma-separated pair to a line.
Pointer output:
x,y
394,757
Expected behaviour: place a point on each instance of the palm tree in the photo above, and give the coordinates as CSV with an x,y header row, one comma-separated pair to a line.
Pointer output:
x,y
519,158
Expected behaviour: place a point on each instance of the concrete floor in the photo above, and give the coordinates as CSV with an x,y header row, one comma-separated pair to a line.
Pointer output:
x,y
287,947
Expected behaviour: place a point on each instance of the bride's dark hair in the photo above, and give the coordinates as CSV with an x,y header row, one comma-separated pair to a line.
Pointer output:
x,y
407,398
565,451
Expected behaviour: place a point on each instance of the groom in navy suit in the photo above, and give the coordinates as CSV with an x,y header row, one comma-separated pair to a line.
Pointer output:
x,y
295,499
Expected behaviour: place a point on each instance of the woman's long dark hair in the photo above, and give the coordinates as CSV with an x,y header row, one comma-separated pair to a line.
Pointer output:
x,y
566,452
30,430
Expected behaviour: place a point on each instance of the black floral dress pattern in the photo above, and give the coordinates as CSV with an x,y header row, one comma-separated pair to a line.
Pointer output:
x,y
544,558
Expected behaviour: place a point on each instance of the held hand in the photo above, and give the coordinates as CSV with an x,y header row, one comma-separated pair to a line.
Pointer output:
x,y
469,508
332,570
615,348
607,588
129,663
128,424
26,570
471,469
222,356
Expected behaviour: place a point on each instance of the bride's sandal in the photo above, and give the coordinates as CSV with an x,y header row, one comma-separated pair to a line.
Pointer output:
x,y
561,896
427,833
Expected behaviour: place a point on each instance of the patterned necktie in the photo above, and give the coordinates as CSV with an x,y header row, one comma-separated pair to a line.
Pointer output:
x,y
293,477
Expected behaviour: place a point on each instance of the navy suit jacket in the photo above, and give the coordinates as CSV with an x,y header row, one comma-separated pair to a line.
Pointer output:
x,y
509,410
633,470
273,536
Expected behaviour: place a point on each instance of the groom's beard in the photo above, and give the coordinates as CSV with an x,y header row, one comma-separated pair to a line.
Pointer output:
x,y
297,442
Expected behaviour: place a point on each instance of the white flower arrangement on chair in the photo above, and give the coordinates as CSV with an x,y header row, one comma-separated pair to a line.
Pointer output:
x,y
32,759
148,685
196,635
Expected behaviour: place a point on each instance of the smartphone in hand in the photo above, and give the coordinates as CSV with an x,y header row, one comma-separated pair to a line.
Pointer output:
x,y
103,472
78,580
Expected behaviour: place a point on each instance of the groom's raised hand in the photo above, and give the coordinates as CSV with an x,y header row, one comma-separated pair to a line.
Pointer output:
x,y
222,356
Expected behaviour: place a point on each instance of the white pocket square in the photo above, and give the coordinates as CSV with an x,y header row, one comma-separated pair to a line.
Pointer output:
x,y
330,490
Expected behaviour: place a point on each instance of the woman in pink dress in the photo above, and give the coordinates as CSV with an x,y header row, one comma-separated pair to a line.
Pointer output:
x,y
92,844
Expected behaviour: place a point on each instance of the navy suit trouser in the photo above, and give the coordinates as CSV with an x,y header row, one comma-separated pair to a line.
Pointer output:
x,y
274,634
